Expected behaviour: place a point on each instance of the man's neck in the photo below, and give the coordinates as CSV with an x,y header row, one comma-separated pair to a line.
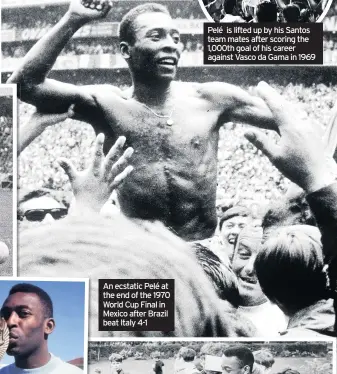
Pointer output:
x,y
152,93
34,360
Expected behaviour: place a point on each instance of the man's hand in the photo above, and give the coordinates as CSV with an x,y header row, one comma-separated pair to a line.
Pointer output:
x,y
299,153
89,10
92,187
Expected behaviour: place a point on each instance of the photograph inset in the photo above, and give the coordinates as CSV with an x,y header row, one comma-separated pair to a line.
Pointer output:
x,y
208,357
46,326
283,11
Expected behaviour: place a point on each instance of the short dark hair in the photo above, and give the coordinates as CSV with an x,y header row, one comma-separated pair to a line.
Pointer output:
x,y
234,212
43,296
188,354
126,27
266,11
222,276
292,13
295,206
242,353
289,267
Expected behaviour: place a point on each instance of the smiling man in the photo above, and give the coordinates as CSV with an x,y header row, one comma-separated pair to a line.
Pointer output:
x,y
172,126
28,311
254,305
230,224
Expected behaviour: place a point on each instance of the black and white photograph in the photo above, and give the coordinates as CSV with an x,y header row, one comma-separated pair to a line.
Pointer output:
x,y
262,11
7,170
210,357
138,162
330,36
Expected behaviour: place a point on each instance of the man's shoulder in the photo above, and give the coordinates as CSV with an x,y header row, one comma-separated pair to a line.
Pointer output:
x,y
65,367
96,89
6,369
70,369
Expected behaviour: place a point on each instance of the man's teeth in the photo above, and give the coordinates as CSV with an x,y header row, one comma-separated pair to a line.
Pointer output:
x,y
169,61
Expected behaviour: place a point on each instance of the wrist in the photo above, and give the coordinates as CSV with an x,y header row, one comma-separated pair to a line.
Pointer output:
x,y
75,20
319,181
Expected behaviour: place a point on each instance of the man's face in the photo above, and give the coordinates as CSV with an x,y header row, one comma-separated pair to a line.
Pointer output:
x,y
244,257
25,319
233,365
40,210
231,228
156,51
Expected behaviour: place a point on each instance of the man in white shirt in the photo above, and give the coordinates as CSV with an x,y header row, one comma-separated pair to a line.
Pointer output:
x,y
28,311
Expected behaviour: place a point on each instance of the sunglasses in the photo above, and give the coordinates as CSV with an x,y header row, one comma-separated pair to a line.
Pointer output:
x,y
38,215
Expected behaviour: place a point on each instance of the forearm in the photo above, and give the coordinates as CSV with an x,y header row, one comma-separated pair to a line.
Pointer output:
x,y
41,58
27,134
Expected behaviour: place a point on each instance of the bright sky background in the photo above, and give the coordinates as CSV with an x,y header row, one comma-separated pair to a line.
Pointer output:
x,y
67,340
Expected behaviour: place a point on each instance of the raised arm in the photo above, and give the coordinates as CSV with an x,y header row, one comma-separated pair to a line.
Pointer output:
x,y
237,105
34,87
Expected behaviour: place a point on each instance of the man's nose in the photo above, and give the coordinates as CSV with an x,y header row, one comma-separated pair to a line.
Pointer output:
x,y
169,43
48,218
249,267
12,320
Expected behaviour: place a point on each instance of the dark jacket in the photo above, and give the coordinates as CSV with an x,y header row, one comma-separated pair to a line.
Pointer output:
x,y
323,204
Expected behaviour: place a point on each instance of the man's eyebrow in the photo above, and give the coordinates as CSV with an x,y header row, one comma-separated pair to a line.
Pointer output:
x,y
15,307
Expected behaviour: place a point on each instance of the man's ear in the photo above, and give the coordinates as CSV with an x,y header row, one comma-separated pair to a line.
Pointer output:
x,y
49,326
125,50
246,369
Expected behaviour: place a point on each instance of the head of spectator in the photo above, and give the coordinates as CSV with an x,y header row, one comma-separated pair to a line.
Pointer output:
x,y
148,251
246,249
186,354
291,210
220,275
184,362
39,207
266,11
230,224
292,13
289,264
237,360
142,53
264,360
28,311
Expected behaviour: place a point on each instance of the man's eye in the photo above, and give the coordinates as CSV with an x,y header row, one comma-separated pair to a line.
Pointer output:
x,y
155,35
24,313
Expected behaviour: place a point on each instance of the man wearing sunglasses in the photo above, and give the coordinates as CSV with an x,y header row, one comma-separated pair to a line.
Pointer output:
x,y
39,206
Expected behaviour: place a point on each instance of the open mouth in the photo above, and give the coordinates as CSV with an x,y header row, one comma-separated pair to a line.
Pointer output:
x,y
231,239
248,280
167,61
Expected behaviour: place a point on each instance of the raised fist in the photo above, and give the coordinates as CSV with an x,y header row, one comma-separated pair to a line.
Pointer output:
x,y
90,9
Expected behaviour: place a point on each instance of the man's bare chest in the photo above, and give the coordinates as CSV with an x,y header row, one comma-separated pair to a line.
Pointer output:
x,y
184,124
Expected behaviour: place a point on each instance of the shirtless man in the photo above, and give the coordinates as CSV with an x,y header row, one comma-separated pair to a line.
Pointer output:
x,y
172,126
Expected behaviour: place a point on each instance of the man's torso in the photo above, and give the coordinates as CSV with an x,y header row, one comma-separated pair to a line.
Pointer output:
x,y
174,178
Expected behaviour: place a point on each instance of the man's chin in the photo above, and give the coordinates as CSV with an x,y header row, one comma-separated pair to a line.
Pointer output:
x,y
13,351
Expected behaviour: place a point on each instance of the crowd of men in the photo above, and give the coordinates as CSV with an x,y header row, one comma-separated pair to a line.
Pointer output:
x,y
236,359
264,10
157,145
